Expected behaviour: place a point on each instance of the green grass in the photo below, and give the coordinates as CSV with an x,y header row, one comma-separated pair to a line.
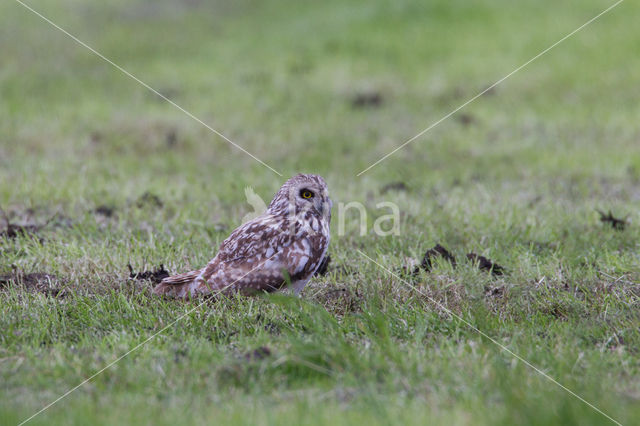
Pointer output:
x,y
519,184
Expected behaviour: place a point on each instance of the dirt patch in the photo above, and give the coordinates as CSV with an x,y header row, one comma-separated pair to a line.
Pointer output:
x,y
95,137
167,92
340,301
257,354
485,264
179,354
439,251
269,326
465,119
36,282
432,253
104,210
367,100
324,266
616,223
13,230
394,186
154,276
171,138
489,90
614,342
149,199
556,310
493,291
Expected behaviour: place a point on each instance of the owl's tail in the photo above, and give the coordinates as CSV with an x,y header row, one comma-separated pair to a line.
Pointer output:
x,y
180,285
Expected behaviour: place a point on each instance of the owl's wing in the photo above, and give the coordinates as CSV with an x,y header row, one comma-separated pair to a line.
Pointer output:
x,y
249,275
262,235
253,258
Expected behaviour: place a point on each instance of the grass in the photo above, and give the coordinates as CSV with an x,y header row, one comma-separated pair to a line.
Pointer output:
x,y
517,176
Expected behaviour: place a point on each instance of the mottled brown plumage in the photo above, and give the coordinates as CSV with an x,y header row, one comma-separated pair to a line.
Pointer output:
x,y
285,244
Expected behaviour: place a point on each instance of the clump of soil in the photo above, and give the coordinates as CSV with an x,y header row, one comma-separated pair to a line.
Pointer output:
x,y
149,199
439,251
486,264
324,266
104,210
614,342
166,92
95,137
37,282
340,301
493,291
154,276
466,119
556,310
394,186
367,100
489,90
269,326
434,252
171,138
616,223
257,354
13,230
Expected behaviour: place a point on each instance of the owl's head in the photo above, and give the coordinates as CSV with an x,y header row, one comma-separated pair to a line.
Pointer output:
x,y
302,193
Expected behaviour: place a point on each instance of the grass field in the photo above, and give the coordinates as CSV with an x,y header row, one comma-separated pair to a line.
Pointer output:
x,y
111,174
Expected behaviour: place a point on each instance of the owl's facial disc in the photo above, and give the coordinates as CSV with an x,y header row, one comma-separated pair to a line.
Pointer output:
x,y
313,197
324,204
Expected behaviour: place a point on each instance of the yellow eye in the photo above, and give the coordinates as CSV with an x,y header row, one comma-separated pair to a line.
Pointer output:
x,y
305,193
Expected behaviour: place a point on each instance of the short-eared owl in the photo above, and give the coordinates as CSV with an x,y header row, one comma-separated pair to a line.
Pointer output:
x,y
284,245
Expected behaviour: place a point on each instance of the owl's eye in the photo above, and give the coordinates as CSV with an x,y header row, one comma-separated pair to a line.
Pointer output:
x,y
305,193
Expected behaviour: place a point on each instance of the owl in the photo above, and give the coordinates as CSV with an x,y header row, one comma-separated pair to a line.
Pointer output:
x,y
285,245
